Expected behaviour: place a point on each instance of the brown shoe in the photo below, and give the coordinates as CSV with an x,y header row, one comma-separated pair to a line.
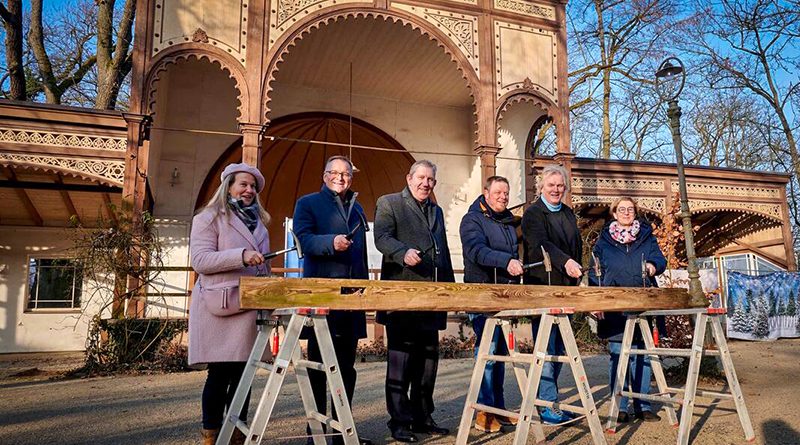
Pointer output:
x,y
506,420
209,436
487,423
237,438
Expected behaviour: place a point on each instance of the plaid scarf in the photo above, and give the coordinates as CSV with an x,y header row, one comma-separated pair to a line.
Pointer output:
x,y
248,214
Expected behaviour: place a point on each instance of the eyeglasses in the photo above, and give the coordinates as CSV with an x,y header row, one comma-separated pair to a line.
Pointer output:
x,y
345,175
626,209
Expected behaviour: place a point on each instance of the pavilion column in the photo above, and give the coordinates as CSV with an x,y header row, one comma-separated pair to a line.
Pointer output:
x,y
252,137
134,196
488,155
565,160
786,231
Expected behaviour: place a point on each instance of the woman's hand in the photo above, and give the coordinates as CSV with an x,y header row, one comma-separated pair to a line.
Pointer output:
x,y
598,315
514,267
252,258
651,269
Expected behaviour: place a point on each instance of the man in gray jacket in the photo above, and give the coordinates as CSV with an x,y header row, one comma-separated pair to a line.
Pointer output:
x,y
410,233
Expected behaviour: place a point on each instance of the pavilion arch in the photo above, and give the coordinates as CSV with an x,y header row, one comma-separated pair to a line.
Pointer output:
x,y
194,51
330,16
719,226
292,167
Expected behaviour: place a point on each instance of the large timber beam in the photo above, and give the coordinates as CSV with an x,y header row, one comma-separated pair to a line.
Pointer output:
x,y
370,295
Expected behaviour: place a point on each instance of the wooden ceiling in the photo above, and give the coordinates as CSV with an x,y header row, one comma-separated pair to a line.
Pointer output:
x,y
293,169
389,60
37,198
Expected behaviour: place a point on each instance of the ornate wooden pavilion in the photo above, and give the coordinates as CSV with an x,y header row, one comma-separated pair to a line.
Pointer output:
x,y
283,84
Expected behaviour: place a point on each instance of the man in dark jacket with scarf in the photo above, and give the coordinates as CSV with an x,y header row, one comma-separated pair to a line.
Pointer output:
x,y
410,233
489,242
331,227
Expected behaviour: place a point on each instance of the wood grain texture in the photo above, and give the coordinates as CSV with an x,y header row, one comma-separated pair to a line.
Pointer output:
x,y
273,293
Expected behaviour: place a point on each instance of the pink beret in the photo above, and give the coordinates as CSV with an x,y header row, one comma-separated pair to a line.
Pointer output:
x,y
244,168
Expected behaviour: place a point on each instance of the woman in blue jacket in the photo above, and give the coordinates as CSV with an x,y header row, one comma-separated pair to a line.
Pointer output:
x,y
629,256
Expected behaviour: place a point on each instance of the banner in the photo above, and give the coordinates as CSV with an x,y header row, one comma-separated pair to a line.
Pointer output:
x,y
763,307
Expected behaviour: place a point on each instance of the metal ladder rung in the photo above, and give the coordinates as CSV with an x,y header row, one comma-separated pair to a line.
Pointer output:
x,y
706,393
652,398
519,358
561,406
671,352
498,411
264,365
310,365
327,421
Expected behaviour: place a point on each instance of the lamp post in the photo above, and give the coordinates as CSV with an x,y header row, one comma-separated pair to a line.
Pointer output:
x,y
670,79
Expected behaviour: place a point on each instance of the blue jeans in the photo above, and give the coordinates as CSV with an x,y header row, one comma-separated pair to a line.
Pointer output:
x,y
637,378
491,393
548,385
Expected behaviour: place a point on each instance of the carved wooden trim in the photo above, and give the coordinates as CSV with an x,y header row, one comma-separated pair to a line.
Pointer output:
x,y
461,29
60,139
730,190
286,13
708,205
198,52
526,8
653,205
162,43
292,38
522,95
96,170
656,185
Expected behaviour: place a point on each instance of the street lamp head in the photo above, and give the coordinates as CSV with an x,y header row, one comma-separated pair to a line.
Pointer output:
x,y
670,78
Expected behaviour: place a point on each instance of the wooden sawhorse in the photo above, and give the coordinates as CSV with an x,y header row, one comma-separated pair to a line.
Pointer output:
x,y
289,353
529,382
668,395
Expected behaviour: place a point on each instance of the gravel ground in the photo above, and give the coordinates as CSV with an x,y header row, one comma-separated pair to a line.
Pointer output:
x,y
164,409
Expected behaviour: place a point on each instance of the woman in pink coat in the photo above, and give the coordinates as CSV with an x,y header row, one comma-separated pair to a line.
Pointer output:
x,y
229,237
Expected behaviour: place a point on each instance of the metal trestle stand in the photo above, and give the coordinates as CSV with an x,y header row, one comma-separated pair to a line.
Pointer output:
x,y
289,354
528,416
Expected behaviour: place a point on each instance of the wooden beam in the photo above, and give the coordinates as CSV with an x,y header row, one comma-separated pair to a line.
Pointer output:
x,y
98,188
67,199
107,204
26,200
273,293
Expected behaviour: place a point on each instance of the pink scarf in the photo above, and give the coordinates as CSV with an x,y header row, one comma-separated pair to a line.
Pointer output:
x,y
623,235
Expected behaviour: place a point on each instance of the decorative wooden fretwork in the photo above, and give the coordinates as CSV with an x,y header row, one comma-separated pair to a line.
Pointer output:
x,y
703,205
107,171
461,29
730,190
526,8
59,139
655,205
286,13
656,185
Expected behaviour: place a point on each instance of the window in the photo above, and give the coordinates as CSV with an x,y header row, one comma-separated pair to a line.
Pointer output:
x,y
54,283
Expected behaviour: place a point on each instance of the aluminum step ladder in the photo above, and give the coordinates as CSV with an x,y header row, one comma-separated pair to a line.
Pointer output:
x,y
684,397
528,382
289,354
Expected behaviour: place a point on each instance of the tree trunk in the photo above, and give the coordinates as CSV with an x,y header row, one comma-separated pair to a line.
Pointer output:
x,y
12,23
113,59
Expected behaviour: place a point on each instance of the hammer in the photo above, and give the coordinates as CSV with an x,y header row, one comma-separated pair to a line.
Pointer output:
x,y
362,222
548,266
296,247
598,270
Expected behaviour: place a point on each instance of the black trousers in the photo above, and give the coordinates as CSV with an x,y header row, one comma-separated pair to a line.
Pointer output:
x,y
411,374
221,383
345,349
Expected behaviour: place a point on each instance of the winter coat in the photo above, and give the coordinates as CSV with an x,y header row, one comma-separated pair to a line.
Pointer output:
x,y
621,266
489,243
558,233
318,218
218,330
400,225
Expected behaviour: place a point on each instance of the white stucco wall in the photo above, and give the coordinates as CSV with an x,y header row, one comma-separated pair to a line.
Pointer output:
x,y
42,330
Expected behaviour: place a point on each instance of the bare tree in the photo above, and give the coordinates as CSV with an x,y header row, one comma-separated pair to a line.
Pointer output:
x,y
114,58
15,72
71,60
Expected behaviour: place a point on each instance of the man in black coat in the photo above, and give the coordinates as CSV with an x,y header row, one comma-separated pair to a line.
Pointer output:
x,y
410,233
550,224
322,222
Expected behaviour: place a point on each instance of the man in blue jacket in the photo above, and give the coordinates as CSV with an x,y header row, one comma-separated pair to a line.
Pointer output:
x,y
322,223
489,242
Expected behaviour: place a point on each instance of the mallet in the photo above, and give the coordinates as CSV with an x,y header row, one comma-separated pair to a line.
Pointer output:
x,y
548,266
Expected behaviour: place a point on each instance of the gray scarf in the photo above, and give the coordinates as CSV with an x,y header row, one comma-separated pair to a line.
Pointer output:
x,y
248,214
